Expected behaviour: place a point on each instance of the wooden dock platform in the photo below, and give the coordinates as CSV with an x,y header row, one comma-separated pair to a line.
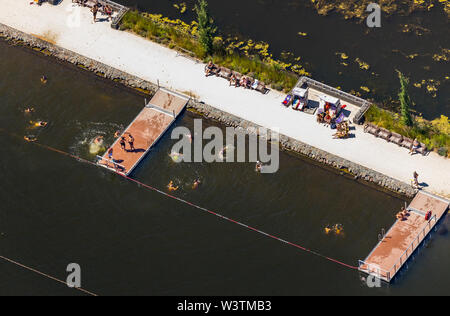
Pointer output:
x,y
404,237
147,128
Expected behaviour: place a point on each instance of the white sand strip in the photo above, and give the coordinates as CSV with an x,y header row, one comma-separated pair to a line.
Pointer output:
x,y
152,62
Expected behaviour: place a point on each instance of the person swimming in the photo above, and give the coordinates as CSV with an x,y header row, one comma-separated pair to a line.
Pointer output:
x,y
30,138
327,229
196,184
98,140
338,229
117,134
29,110
175,156
171,187
44,79
258,166
39,123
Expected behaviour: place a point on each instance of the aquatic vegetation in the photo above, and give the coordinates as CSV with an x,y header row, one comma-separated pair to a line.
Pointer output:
x,y
444,55
181,7
245,56
356,9
363,65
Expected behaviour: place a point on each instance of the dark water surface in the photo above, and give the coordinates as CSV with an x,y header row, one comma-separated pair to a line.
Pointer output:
x,y
55,210
384,49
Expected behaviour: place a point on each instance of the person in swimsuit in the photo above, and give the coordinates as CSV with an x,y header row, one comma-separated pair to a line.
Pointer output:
x,y
171,187
131,141
43,79
196,184
94,12
123,143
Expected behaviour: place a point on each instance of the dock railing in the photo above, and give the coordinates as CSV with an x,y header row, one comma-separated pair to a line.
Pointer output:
x,y
388,274
414,245
372,269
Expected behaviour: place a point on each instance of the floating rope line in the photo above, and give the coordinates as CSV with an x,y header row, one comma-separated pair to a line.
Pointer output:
x,y
200,207
45,275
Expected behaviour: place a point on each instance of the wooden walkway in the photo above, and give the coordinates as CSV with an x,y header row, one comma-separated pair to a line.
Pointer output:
x,y
147,128
404,237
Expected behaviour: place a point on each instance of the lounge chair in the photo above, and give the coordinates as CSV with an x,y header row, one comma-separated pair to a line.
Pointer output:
x,y
384,134
371,129
396,138
224,73
261,88
407,142
422,149
287,101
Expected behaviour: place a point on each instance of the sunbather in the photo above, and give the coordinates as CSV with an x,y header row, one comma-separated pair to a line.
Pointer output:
x,y
209,68
233,80
255,84
414,147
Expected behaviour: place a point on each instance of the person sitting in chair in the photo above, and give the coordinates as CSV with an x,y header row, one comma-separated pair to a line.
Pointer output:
x,y
209,68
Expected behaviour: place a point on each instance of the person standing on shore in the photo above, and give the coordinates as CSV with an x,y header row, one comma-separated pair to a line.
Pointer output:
x,y
416,180
94,12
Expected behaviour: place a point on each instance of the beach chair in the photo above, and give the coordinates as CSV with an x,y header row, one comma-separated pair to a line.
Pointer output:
x,y
224,73
422,149
261,88
396,138
287,101
384,134
407,142
371,129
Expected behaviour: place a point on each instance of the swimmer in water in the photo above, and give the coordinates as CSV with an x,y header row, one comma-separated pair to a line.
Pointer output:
x,y
171,187
117,134
338,229
327,229
43,79
196,184
258,166
30,138
39,123
29,110
98,140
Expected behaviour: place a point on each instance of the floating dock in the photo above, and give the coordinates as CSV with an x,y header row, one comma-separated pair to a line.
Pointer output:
x,y
404,237
147,128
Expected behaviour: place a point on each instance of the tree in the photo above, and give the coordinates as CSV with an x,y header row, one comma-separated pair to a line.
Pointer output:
x,y
206,28
405,101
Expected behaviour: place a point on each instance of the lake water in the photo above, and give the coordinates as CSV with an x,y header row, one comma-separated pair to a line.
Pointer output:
x,y
128,240
385,49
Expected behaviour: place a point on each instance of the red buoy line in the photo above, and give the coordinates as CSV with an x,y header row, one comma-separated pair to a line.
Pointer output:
x,y
46,275
180,200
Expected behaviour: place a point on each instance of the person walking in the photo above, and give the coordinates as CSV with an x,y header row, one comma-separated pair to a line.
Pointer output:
x,y
131,141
